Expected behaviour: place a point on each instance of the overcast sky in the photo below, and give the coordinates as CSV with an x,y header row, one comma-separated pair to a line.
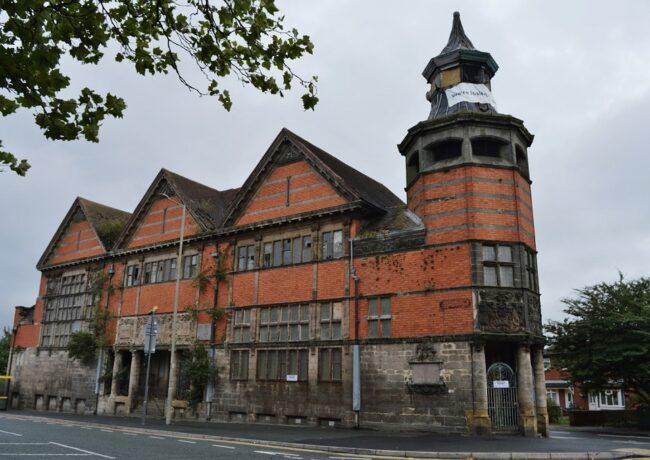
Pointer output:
x,y
576,72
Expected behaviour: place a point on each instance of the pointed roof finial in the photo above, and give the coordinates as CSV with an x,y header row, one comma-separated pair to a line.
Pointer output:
x,y
457,37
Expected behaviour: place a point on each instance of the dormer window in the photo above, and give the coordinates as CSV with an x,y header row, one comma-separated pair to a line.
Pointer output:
x,y
488,147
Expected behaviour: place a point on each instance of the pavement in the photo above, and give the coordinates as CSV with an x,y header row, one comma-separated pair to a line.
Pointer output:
x,y
564,442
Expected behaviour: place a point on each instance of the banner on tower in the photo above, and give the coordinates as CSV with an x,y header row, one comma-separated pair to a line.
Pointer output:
x,y
469,92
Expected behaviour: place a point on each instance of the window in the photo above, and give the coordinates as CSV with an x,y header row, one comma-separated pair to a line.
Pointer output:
x,y
611,398
132,275
329,365
287,251
332,245
68,302
239,365
242,326
330,320
379,317
278,364
531,271
498,266
553,395
246,258
286,323
159,271
190,266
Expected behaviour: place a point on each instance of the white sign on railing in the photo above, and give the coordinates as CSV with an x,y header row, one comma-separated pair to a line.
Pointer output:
x,y
500,384
292,377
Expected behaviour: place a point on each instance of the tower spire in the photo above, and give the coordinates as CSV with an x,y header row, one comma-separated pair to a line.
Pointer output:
x,y
457,37
460,76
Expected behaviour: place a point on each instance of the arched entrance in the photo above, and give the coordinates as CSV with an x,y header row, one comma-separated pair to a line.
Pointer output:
x,y
502,397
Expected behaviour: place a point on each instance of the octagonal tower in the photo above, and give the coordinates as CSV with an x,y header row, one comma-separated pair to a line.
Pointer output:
x,y
467,178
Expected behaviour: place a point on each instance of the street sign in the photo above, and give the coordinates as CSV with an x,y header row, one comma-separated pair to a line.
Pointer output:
x,y
151,330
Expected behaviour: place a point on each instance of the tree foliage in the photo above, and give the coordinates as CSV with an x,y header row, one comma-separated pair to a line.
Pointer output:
x,y
243,38
606,339
5,345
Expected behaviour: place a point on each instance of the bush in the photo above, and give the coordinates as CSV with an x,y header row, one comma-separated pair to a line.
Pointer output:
x,y
83,346
554,411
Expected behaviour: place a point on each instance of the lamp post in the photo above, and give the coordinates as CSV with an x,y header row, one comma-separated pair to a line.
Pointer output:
x,y
171,387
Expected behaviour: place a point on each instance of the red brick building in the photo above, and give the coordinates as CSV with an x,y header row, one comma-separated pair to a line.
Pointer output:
x,y
343,304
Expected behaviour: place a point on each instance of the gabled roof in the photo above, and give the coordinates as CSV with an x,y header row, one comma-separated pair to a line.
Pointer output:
x,y
352,184
206,205
107,222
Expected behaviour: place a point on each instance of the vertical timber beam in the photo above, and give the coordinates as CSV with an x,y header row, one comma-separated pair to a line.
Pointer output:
x,y
526,390
540,391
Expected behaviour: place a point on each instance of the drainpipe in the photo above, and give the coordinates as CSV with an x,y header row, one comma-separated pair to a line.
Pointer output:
x,y
356,352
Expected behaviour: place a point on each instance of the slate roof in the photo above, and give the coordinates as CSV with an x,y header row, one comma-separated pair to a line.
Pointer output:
x,y
363,186
108,222
208,205
398,219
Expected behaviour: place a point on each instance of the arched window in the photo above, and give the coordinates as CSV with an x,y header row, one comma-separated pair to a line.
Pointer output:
x,y
522,161
412,167
446,150
488,147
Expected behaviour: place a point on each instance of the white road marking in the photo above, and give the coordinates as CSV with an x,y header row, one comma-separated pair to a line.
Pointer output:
x,y
106,431
128,434
647,438
223,447
565,437
156,437
185,440
81,450
11,433
84,427
265,452
24,443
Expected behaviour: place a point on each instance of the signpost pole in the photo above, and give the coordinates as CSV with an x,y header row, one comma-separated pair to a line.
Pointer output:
x,y
149,349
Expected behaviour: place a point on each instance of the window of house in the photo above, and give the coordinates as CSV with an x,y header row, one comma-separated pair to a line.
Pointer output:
x,y
330,320
553,395
246,257
239,365
159,271
287,251
68,301
132,275
332,244
285,323
498,266
611,398
190,266
278,364
379,317
242,326
329,365
531,271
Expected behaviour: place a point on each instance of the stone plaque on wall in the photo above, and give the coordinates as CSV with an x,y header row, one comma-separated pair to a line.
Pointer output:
x,y
425,373
131,331
203,331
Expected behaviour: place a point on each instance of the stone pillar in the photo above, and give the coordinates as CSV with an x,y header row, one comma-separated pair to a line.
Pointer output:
x,y
117,365
173,375
481,423
134,379
540,391
525,392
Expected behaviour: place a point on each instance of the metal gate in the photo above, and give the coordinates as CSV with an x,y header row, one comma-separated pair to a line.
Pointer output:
x,y
502,397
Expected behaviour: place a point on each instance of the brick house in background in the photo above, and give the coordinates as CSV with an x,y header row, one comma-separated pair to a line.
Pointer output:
x,y
569,396
344,305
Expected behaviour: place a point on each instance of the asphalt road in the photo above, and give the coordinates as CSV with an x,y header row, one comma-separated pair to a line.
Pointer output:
x,y
46,435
